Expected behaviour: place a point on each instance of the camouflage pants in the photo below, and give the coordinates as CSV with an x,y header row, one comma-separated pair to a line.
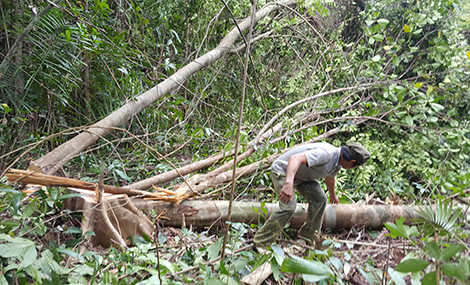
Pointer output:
x,y
316,198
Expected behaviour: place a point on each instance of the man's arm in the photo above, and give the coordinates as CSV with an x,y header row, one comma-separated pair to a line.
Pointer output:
x,y
292,166
330,185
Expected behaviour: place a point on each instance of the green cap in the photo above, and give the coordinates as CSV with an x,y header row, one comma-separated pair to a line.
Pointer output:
x,y
359,153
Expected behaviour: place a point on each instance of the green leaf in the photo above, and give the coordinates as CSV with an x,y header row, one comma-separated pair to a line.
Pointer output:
x,y
11,224
429,279
23,250
433,250
213,250
412,265
451,251
47,264
459,270
3,280
123,175
396,277
295,264
406,28
67,36
395,60
399,229
278,254
29,210
73,230
437,107
409,120
314,278
275,269
383,22
69,252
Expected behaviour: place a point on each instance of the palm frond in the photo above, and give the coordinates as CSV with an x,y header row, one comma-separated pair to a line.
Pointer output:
x,y
442,218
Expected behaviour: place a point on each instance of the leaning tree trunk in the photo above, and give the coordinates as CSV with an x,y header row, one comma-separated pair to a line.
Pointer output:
x,y
55,159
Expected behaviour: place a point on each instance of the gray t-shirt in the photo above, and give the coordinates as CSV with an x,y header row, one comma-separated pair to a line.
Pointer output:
x,y
322,161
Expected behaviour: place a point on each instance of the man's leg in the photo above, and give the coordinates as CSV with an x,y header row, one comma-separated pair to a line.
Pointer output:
x,y
273,226
316,198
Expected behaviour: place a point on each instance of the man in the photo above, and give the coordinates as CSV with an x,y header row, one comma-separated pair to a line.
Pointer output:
x,y
300,168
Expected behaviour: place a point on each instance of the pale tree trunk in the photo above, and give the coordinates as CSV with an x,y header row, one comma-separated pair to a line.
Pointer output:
x,y
125,217
55,159
214,213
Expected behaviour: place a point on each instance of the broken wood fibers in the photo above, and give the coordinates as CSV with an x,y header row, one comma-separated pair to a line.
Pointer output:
x,y
111,216
31,177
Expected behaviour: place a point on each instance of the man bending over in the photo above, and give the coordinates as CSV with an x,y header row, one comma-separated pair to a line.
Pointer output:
x,y
300,168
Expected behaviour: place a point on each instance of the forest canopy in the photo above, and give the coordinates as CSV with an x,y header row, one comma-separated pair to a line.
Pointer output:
x,y
159,93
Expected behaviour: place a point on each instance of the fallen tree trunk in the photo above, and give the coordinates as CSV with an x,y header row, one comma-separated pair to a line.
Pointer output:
x,y
214,213
112,218
126,217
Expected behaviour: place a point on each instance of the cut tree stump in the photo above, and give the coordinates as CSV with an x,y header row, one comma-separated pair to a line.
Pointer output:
x,y
114,219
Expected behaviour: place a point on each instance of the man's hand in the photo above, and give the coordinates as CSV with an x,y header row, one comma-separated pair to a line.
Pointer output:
x,y
334,199
286,193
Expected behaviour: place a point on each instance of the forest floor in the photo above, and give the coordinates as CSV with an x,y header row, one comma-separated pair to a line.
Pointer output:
x,y
358,255
357,247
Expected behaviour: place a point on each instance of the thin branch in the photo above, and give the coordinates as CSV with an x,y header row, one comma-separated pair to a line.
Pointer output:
x,y
240,117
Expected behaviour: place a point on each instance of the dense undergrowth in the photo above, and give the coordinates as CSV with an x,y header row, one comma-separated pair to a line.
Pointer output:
x,y
42,243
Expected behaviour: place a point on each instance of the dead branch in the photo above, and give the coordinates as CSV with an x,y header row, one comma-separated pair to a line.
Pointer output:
x,y
31,177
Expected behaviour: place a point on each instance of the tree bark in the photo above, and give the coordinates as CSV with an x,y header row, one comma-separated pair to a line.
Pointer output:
x,y
55,159
214,213
29,177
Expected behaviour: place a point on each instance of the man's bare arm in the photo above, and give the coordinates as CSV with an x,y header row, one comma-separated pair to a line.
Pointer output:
x,y
330,185
292,166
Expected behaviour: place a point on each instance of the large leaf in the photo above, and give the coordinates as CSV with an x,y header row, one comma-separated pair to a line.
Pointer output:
x,y
295,264
47,264
20,249
459,270
412,265
433,250
451,251
429,279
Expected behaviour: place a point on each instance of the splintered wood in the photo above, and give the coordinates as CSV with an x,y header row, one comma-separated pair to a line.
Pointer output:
x,y
31,177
